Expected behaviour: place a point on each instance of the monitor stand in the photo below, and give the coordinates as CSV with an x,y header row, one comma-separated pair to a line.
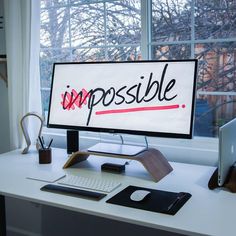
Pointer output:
x,y
152,159
117,149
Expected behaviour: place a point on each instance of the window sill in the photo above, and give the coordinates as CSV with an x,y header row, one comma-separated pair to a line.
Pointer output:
x,y
199,150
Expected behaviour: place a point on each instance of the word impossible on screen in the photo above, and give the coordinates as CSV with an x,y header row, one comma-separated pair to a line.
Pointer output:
x,y
145,97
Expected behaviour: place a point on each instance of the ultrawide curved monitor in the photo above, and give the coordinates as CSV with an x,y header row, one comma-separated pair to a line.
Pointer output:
x,y
152,98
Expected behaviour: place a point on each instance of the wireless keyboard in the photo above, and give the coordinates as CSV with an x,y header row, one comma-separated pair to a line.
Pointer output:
x,y
90,183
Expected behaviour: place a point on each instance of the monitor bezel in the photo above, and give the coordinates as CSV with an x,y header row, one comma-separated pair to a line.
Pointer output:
x,y
125,131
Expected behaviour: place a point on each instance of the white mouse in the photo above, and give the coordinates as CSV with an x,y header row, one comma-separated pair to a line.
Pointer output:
x,y
139,195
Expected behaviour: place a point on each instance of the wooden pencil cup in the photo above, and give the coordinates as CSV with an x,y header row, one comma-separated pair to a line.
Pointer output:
x,y
45,155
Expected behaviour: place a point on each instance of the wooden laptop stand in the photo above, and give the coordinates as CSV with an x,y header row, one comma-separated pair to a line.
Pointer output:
x,y
152,159
230,182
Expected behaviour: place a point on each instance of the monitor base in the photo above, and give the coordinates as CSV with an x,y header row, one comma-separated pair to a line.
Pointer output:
x,y
117,149
152,159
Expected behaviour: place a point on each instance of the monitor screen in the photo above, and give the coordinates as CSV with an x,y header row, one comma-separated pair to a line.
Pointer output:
x,y
153,98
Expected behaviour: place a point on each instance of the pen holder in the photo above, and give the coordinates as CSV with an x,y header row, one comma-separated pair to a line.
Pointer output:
x,y
45,156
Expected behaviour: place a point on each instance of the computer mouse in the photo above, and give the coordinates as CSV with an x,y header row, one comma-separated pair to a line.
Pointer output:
x,y
139,195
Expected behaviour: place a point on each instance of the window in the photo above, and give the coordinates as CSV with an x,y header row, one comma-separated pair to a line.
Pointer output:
x,y
84,30
204,30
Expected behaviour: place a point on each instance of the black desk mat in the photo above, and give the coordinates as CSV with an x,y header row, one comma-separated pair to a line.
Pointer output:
x,y
157,201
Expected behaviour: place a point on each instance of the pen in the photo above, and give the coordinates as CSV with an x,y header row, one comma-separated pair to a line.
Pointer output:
x,y
179,197
40,140
49,145
43,140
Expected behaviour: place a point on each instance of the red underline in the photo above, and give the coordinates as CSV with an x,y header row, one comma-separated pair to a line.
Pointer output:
x,y
137,109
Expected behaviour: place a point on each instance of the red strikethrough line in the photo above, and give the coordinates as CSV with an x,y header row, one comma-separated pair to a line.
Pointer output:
x,y
135,109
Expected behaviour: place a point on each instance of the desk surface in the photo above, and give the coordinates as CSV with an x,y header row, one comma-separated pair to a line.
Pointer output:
x,y
206,213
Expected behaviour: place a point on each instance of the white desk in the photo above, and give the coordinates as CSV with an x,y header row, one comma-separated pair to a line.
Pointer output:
x,y
206,213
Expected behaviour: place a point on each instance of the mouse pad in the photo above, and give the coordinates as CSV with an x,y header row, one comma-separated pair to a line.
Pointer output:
x,y
157,201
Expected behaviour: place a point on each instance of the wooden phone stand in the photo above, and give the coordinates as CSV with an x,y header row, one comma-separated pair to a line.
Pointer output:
x,y
152,159
230,182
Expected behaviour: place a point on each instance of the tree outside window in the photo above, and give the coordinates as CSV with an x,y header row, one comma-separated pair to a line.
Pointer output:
x,y
100,30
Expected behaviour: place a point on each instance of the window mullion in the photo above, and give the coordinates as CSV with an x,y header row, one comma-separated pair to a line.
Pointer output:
x,y
146,28
69,28
105,29
192,29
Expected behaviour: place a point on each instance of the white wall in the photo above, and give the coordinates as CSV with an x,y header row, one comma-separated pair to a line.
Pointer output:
x,y
4,121
4,117
2,32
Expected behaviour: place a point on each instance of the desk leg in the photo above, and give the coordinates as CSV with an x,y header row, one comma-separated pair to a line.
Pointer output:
x,y
2,216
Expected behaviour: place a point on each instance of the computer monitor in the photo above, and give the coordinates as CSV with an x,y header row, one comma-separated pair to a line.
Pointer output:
x,y
150,98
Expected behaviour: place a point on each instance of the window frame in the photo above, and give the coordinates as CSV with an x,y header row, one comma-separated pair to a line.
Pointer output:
x,y
200,150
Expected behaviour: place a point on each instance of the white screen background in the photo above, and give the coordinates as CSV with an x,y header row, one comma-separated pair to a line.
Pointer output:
x,y
105,75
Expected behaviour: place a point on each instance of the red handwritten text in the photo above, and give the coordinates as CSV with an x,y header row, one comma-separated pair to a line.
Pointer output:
x,y
73,99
